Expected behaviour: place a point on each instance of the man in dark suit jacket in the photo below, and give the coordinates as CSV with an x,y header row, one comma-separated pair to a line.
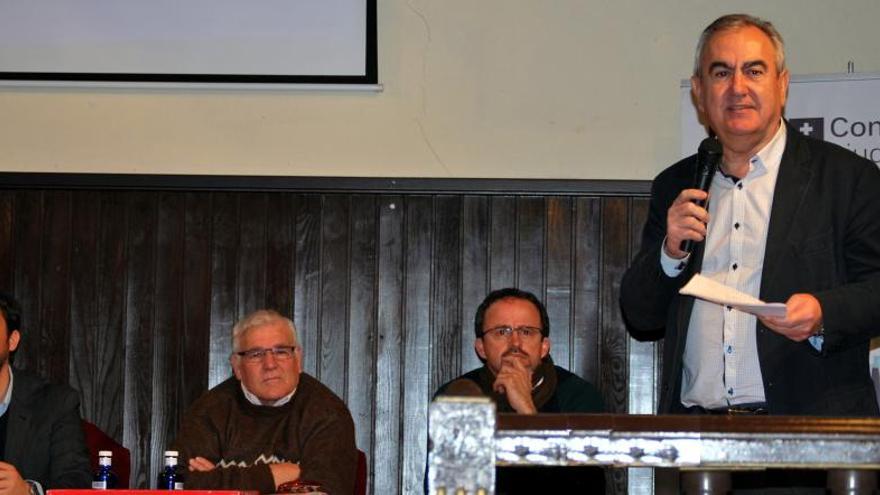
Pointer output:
x,y
790,219
41,435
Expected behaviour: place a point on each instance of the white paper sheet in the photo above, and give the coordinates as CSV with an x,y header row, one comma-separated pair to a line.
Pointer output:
x,y
710,290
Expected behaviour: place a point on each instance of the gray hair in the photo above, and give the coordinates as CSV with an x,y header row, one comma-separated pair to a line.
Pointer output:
x,y
259,318
737,21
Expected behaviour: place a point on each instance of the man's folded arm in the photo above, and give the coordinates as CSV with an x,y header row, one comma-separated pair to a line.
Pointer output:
x,y
198,438
330,455
258,477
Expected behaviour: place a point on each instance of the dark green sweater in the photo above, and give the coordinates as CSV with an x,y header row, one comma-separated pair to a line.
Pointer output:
x,y
566,392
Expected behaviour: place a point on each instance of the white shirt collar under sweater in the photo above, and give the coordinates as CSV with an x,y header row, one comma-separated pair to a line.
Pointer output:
x,y
253,399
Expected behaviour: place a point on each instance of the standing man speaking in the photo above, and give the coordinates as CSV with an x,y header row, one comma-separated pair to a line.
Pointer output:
x,y
789,219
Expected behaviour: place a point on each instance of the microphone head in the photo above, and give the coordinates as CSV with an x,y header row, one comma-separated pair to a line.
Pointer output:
x,y
708,158
710,145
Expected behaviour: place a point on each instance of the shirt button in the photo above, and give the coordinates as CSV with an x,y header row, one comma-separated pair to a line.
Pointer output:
x,y
739,185
730,349
735,266
730,391
736,225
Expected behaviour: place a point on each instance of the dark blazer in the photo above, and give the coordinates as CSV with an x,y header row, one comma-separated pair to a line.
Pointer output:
x,y
44,436
823,239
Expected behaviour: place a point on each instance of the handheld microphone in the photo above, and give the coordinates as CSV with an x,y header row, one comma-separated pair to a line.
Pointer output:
x,y
708,158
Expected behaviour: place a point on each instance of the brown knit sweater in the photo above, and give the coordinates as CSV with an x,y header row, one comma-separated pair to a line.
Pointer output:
x,y
314,429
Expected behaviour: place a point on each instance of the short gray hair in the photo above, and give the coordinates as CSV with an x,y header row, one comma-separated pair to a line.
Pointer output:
x,y
259,318
736,21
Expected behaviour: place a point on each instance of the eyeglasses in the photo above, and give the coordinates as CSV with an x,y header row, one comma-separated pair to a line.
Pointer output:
x,y
280,353
505,332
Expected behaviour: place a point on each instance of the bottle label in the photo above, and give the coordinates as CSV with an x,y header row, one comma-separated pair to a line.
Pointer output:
x,y
99,485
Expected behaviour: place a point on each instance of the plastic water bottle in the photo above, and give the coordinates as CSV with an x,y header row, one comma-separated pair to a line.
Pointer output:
x,y
171,478
104,478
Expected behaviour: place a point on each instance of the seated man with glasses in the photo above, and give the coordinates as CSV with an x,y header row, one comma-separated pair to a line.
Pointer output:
x,y
513,341
271,423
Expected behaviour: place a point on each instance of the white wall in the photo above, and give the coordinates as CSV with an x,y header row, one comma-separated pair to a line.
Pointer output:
x,y
583,89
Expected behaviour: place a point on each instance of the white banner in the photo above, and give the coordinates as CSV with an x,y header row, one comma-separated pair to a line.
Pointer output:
x,y
842,109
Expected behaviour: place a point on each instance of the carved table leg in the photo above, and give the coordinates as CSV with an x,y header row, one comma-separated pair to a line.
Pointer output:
x,y
705,482
852,481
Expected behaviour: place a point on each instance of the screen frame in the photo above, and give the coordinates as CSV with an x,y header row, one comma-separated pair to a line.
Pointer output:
x,y
369,76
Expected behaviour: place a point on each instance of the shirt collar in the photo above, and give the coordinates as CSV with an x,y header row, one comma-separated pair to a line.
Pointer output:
x,y
4,406
769,157
253,399
535,386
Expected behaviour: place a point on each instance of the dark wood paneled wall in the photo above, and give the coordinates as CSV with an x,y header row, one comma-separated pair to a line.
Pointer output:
x,y
130,296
